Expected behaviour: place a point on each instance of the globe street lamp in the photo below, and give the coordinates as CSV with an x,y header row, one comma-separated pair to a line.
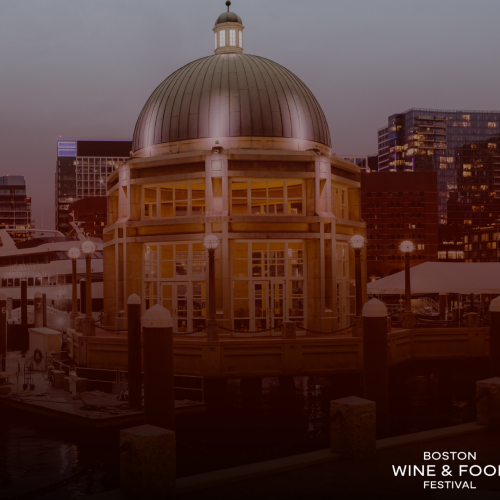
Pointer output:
x,y
211,243
88,248
407,248
74,254
357,243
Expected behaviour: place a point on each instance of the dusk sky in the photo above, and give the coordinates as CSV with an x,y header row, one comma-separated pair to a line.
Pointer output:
x,y
85,69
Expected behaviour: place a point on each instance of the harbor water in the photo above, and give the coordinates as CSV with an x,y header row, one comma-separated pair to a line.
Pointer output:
x,y
239,427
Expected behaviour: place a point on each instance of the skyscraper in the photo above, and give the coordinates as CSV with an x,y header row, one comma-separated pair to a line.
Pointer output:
x,y
81,171
430,139
15,206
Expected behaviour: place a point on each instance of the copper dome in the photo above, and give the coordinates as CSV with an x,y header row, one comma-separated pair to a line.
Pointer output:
x,y
230,95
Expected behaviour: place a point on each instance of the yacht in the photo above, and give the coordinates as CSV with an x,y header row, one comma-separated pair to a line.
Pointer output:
x,y
43,260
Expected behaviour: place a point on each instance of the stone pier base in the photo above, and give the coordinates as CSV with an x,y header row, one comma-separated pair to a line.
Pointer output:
x,y
353,433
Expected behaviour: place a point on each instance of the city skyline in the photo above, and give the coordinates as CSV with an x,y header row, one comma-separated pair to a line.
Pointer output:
x,y
370,60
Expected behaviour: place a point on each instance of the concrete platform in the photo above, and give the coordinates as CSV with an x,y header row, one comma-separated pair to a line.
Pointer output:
x,y
323,474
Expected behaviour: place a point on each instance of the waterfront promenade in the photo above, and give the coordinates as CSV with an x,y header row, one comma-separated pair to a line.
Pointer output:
x,y
327,476
366,479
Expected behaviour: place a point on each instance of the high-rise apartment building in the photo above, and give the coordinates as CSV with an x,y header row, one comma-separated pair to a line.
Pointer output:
x,y
81,171
365,163
476,200
434,139
398,206
15,206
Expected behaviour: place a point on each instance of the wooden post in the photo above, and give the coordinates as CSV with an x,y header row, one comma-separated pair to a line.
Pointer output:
x,y
375,361
495,337
134,351
44,309
3,330
158,345
24,301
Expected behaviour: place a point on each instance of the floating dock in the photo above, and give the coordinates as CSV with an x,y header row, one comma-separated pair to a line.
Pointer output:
x,y
92,409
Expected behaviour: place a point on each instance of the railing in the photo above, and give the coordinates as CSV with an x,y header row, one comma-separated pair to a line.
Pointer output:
x,y
117,380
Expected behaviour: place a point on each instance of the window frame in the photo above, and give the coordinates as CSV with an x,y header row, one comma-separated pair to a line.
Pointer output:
x,y
268,199
344,205
157,203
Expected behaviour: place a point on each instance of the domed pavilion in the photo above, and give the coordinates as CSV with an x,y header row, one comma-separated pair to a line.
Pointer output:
x,y
234,145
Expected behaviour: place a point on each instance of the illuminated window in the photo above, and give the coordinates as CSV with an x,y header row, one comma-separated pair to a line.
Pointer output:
x,y
342,250
222,38
232,38
174,200
492,125
241,38
267,197
339,202
441,255
466,117
492,146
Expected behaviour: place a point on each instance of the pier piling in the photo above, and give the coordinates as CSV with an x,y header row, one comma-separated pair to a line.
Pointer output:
x,y
44,309
24,301
158,345
495,337
375,361
134,351
3,330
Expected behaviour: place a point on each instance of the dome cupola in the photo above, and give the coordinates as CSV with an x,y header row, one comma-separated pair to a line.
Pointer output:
x,y
240,100
228,31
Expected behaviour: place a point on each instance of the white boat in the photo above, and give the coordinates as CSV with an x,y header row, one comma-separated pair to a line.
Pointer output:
x,y
44,262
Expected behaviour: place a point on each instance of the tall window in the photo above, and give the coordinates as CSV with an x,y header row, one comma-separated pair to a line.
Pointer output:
x,y
339,202
232,38
241,38
174,276
342,260
268,284
222,38
215,40
267,197
174,200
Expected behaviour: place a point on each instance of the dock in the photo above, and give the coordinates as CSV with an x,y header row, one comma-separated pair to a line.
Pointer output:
x,y
93,409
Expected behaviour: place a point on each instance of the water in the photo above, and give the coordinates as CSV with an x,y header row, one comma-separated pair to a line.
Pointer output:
x,y
237,426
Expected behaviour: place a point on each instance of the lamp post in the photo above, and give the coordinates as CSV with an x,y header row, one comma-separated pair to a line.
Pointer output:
x,y
211,243
74,254
407,248
88,248
357,243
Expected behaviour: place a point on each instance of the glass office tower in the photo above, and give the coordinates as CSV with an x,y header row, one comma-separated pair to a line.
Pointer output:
x,y
81,171
430,139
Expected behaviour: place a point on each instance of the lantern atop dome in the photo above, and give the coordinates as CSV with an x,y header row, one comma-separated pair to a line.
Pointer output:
x,y
228,31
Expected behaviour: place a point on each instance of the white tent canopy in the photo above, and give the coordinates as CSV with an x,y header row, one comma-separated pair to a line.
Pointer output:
x,y
443,277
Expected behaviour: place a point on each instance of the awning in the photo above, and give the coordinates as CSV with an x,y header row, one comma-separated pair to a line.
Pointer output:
x,y
443,277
